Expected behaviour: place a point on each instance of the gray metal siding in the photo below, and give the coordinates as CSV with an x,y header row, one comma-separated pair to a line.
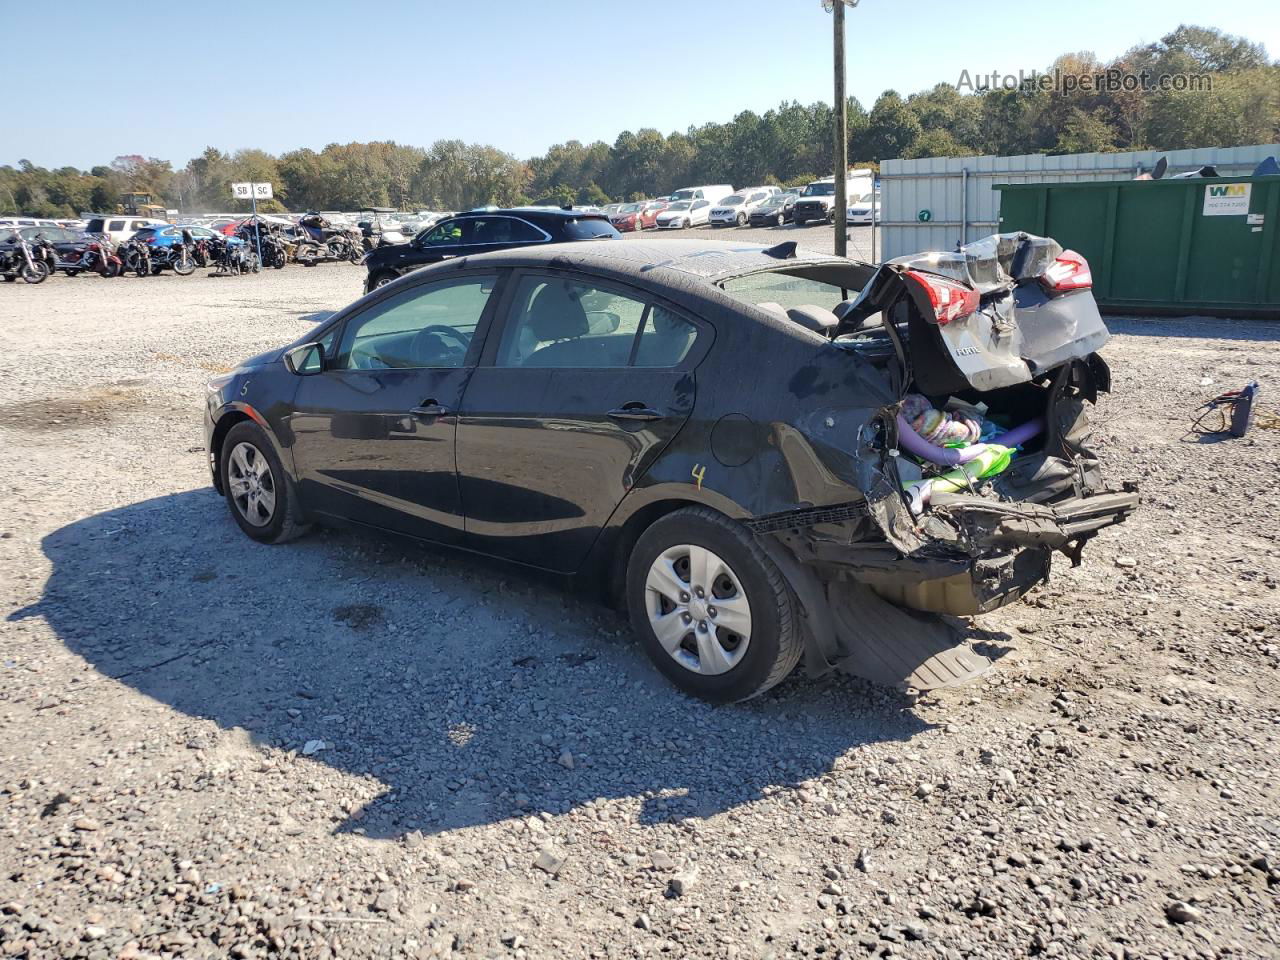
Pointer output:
x,y
935,184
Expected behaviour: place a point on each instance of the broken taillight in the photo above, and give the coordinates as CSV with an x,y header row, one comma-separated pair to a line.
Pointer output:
x,y
1069,272
950,300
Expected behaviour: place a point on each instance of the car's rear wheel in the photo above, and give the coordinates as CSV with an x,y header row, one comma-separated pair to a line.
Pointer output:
x,y
714,613
258,491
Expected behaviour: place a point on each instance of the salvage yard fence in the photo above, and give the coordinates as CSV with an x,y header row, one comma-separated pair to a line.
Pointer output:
x,y
935,203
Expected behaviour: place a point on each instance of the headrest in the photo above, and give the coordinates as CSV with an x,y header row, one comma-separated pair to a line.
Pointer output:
x,y
556,313
817,319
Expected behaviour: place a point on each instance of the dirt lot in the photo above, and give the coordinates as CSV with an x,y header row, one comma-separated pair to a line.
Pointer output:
x,y
345,748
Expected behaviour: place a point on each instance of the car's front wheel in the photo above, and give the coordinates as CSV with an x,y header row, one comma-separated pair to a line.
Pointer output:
x,y
380,279
258,491
714,613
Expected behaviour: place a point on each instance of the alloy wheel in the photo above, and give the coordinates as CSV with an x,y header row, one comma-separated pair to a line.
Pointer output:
x,y
253,486
698,609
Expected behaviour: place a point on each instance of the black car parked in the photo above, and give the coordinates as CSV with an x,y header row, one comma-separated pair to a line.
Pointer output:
x,y
484,231
775,211
712,433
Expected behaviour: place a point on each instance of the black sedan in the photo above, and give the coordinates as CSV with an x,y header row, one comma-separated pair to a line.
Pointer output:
x,y
775,211
484,231
710,433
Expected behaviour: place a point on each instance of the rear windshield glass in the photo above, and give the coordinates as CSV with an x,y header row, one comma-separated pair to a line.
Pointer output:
x,y
589,229
785,290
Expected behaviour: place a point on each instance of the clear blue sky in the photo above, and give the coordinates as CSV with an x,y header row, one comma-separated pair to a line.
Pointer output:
x,y
517,74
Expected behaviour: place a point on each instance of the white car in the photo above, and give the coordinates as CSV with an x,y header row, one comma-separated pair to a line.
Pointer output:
x,y
121,227
737,208
683,214
864,208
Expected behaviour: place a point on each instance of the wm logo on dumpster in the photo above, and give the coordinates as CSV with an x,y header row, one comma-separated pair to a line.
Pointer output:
x,y
1230,190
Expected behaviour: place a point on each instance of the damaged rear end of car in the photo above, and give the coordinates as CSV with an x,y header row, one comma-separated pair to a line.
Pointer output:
x,y
975,473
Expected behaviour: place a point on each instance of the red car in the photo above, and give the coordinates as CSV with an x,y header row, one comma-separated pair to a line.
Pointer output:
x,y
642,215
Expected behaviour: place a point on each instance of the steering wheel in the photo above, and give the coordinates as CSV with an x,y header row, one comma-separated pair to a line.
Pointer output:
x,y
452,332
423,344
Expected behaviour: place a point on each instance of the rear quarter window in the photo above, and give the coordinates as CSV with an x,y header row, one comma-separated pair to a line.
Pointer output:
x,y
591,229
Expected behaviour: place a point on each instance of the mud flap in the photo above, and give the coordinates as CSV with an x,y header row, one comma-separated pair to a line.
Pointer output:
x,y
889,645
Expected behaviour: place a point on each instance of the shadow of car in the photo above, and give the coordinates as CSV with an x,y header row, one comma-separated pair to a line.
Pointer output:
x,y
457,684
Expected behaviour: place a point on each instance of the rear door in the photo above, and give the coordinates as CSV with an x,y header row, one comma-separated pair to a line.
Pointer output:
x,y
373,434
582,386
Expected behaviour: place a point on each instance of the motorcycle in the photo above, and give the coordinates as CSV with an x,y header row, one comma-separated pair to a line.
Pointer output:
x,y
177,257
323,241
20,261
235,259
97,254
261,236
136,256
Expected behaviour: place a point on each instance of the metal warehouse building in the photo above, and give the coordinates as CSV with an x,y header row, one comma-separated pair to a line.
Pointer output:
x,y
937,202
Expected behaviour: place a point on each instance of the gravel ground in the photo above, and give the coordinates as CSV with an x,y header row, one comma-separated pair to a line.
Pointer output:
x,y
347,748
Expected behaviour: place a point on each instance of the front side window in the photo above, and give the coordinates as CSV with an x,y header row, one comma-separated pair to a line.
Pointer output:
x,y
116,225
448,232
427,326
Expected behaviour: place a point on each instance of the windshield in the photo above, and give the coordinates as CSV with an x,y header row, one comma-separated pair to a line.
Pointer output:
x,y
819,190
629,208
679,205
732,201
777,200
866,198
683,194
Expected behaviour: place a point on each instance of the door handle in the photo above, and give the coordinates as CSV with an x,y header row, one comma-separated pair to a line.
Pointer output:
x,y
635,410
430,409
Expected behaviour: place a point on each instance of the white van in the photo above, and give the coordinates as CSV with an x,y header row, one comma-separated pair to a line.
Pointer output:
x,y
713,193
120,228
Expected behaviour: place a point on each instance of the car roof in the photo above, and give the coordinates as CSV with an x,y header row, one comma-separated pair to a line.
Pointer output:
x,y
554,213
710,260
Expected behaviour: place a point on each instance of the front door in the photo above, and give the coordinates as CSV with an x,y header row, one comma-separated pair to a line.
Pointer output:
x,y
373,434
586,386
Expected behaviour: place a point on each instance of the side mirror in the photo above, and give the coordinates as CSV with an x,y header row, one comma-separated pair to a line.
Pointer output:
x,y
305,360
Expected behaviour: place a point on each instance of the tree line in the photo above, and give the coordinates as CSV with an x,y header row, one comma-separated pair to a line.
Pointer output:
x,y
790,144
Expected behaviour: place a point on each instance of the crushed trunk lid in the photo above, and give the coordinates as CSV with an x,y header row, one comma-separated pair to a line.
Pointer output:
x,y
994,313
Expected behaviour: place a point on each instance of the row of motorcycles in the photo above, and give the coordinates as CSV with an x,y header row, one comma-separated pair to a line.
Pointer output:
x,y
315,240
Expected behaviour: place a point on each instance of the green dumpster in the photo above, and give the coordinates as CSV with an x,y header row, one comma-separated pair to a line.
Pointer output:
x,y
1163,246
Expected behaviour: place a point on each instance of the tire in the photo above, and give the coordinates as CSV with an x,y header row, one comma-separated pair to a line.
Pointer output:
x,y
687,225
380,280
285,521
184,266
38,272
734,669
781,220
72,273
742,219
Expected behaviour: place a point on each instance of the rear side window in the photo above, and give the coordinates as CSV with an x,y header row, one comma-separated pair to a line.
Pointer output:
x,y
504,230
116,225
94,226
589,229
557,322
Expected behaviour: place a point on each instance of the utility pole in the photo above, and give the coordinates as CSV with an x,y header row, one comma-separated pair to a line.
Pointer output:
x,y
841,134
